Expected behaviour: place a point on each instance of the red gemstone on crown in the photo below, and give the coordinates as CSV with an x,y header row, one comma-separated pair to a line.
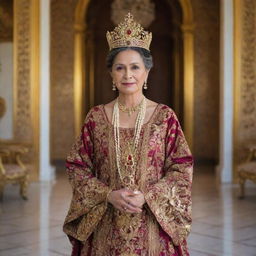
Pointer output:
x,y
128,32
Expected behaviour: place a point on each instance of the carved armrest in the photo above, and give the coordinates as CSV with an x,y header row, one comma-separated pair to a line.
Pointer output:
x,y
4,153
252,153
16,148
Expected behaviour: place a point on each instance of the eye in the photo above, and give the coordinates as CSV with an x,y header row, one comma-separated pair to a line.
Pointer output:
x,y
119,68
135,67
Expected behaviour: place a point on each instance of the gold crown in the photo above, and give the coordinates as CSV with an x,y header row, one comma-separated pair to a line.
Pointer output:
x,y
129,34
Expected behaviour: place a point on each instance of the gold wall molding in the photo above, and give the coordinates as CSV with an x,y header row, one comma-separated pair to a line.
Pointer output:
x,y
244,79
62,77
26,78
22,55
79,66
207,80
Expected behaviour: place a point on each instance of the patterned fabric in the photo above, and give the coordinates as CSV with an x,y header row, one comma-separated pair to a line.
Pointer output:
x,y
163,174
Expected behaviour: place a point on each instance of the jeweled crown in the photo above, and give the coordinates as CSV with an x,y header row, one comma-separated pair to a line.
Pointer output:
x,y
129,34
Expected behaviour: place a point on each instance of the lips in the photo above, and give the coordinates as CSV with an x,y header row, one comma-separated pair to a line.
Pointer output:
x,y
128,84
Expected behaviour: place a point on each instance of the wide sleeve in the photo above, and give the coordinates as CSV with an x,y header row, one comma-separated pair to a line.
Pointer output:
x,y
88,203
169,199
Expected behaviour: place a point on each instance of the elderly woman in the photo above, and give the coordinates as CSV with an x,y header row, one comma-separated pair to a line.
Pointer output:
x,y
131,168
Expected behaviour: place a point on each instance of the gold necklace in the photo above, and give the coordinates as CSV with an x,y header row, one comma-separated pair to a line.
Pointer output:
x,y
129,110
128,181
128,223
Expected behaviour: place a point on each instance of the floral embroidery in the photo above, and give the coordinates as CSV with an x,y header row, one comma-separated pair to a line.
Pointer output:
x,y
164,174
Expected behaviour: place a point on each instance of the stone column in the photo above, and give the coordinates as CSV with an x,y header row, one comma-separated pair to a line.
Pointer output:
x,y
46,171
225,168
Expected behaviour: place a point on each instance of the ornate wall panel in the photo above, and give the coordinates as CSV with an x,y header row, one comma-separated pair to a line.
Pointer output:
x,y
22,109
245,77
26,79
206,94
62,61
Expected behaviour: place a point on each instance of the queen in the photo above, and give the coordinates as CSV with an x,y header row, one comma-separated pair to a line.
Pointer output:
x,y
131,168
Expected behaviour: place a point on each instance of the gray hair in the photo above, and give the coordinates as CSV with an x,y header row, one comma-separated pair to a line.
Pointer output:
x,y
145,55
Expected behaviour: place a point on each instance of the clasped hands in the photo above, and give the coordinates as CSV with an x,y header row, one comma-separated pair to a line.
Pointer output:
x,y
127,200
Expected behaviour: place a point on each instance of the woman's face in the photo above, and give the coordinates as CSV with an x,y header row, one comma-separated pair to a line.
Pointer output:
x,y
129,72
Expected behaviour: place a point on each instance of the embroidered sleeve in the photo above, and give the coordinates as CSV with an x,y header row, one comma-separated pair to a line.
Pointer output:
x,y
170,198
89,194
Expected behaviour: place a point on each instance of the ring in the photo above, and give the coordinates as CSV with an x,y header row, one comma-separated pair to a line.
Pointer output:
x,y
124,208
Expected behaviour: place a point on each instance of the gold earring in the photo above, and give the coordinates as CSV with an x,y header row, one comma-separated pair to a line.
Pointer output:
x,y
113,87
145,86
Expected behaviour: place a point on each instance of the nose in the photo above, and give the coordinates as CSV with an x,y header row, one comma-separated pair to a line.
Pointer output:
x,y
128,74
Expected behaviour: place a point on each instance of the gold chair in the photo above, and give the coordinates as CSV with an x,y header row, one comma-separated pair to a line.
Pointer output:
x,y
12,169
247,170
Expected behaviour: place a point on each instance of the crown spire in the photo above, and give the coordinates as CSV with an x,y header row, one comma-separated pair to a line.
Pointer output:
x,y
129,34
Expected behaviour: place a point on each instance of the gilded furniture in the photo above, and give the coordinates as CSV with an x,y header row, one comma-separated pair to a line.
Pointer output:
x,y
12,169
247,170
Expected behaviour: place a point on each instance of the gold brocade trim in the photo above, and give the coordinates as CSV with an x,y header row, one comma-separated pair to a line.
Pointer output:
x,y
101,238
141,174
153,230
112,162
142,165
128,225
101,234
153,236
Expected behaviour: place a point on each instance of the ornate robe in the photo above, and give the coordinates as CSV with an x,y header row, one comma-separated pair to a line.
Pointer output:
x,y
163,174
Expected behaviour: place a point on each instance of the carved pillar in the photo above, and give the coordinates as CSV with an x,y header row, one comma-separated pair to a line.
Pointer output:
x,y
80,65
188,102
79,77
178,79
90,67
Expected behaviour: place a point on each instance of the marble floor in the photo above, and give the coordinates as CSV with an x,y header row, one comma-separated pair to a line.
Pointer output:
x,y
222,224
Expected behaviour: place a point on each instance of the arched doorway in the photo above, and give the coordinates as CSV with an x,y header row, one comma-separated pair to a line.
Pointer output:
x,y
172,31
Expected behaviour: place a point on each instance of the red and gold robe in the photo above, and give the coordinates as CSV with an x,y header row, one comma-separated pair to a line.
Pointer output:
x,y
163,174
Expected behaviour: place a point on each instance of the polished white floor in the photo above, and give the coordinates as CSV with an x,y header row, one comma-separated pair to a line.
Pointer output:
x,y
222,224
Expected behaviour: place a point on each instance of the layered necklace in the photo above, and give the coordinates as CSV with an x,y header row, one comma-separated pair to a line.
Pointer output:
x,y
128,110
129,179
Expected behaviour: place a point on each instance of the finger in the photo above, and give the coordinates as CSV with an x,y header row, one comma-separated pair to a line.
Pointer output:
x,y
131,208
128,193
133,211
125,194
136,201
131,203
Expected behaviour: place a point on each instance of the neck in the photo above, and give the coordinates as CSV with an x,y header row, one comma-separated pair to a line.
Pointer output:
x,y
130,100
